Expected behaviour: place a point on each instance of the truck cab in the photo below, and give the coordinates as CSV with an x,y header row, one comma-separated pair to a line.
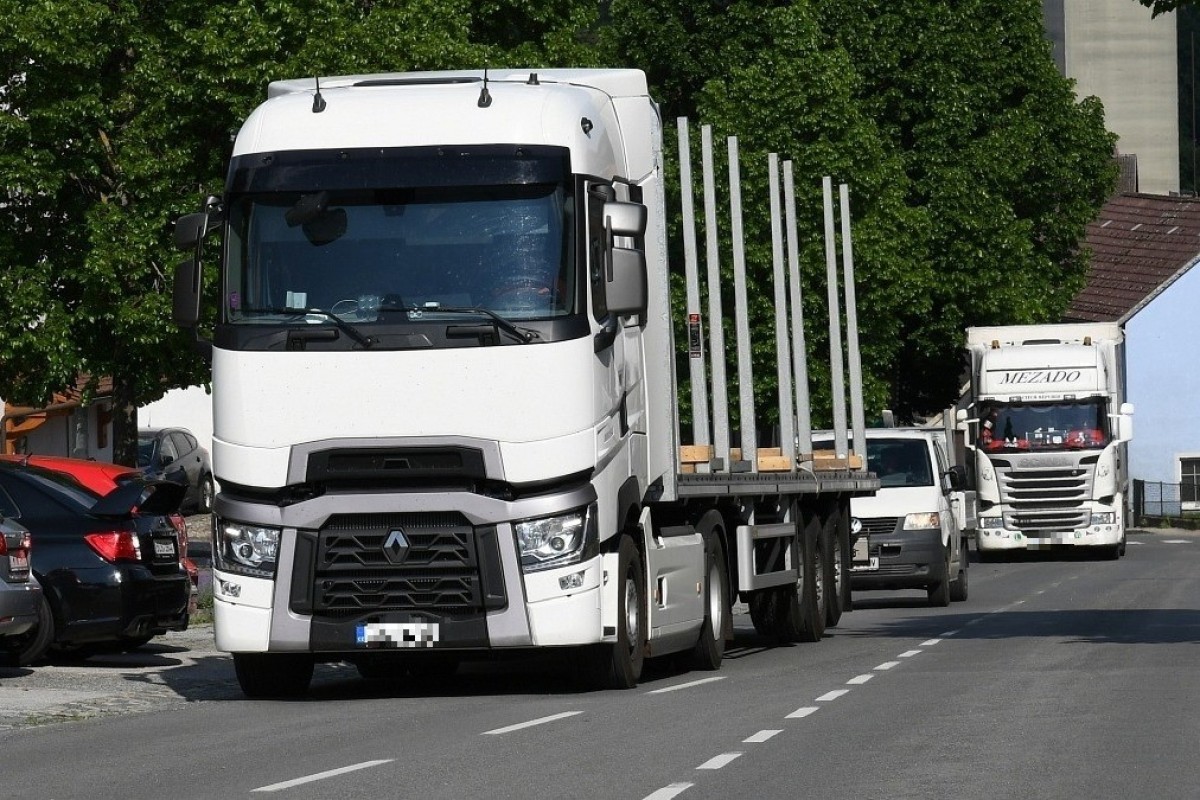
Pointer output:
x,y
912,533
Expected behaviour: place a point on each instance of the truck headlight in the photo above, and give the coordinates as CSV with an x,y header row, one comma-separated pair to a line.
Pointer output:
x,y
991,522
245,549
1104,517
557,541
922,522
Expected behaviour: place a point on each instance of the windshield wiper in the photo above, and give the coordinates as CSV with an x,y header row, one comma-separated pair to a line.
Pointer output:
x,y
523,335
343,326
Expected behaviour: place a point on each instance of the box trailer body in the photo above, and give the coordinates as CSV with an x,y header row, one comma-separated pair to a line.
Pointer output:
x,y
444,401
1050,436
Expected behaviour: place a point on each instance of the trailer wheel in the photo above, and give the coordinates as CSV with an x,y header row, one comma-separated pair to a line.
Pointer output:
x,y
273,675
835,571
794,613
958,589
710,646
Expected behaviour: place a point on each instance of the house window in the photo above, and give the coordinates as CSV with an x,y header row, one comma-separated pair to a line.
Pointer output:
x,y
1189,482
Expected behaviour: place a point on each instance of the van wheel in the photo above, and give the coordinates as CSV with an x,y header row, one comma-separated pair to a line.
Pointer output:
x,y
710,646
273,675
939,593
958,589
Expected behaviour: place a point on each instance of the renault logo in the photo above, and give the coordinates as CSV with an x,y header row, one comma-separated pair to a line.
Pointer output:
x,y
395,546
855,526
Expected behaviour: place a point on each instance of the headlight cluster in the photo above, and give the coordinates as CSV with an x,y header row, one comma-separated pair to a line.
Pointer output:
x,y
922,522
991,522
1104,517
245,549
557,541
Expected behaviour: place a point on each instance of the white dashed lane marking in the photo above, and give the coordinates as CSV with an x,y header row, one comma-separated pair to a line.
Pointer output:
x,y
801,713
275,787
540,721
719,761
834,695
859,680
1172,541
910,653
688,685
887,665
761,736
667,792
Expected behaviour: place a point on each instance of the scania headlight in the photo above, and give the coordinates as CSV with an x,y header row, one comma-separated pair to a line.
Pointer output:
x,y
557,541
922,522
245,549
991,522
1104,517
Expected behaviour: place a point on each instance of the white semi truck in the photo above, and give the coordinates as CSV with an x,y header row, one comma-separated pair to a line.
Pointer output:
x,y
1050,431
444,402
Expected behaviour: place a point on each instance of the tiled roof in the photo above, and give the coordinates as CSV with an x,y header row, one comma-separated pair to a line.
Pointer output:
x,y
1140,244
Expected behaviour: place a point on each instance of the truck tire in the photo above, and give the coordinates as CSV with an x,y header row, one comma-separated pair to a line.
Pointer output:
x,y
835,571
273,675
710,646
793,613
619,665
958,588
939,593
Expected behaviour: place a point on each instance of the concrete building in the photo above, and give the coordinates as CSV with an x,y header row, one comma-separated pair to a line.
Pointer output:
x,y
1115,50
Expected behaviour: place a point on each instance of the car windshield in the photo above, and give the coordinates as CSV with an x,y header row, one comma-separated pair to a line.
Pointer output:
x,y
899,462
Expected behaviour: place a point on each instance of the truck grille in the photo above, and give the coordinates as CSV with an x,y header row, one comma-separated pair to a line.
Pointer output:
x,y
876,526
1045,499
435,562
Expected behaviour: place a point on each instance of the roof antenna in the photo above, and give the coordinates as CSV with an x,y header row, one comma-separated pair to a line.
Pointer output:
x,y
485,97
318,100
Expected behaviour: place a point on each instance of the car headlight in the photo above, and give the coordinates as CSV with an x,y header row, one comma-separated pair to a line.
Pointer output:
x,y
245,549
1104,517
922,522
557,541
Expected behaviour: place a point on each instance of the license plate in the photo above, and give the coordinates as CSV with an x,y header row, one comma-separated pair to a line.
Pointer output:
x,y
164,549
398,634
873,564
18,562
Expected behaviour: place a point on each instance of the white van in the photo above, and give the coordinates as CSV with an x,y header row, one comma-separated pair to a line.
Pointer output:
x,y
910,534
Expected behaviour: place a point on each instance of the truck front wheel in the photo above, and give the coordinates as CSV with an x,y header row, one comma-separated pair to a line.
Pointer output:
x,y
619,665
273,675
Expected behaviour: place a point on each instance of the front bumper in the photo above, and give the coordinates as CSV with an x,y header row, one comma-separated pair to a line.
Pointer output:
x,y
18,606
905,560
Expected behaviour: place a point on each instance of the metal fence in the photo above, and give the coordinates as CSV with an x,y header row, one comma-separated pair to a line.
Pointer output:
x,y
1157,499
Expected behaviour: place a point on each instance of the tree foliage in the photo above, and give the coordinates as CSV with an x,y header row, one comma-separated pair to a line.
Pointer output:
x,y
971,166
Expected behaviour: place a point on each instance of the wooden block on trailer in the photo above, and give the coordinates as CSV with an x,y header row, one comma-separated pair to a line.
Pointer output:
x,y
695,453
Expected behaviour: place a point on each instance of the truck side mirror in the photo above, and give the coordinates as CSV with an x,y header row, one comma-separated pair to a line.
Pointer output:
x,y
186,294
190,229
628,289
958,477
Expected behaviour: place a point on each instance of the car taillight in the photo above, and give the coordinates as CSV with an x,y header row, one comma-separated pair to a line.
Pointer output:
x,y
180,526
114,546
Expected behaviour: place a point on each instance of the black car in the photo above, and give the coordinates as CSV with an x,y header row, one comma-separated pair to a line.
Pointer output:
x,y
174,454
108,566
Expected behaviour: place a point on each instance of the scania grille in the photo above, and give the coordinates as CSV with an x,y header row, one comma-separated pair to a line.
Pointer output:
x,y
432,562
1045,499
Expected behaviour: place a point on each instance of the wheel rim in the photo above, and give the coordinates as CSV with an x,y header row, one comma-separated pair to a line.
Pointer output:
x,y
716,606
818,559
838,566
632,617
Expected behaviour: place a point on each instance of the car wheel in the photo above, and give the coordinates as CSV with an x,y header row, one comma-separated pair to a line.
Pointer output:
x,y
958,589
205,503
939,593
29,647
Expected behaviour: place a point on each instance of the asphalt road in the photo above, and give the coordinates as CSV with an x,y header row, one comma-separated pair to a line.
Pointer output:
x,y
1058,678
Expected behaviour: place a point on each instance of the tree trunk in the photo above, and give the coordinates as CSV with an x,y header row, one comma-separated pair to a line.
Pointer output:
x,y
125,424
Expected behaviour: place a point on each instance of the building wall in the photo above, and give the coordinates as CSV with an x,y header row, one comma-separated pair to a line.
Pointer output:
x,y
1116,51
1162,385
189,408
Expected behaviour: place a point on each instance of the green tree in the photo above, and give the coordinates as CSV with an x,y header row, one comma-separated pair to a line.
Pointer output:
x,y
116,116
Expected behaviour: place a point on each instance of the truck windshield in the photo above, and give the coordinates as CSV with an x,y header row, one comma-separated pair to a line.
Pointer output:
x,y
359,254
1068,425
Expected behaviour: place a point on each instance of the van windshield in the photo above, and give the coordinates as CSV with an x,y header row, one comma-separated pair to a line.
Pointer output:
x,y
899,462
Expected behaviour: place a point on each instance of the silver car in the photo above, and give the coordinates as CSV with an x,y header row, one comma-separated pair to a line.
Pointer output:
x,y
20,593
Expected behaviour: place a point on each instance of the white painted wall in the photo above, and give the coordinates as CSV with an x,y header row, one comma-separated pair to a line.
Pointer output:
x,y
1160,342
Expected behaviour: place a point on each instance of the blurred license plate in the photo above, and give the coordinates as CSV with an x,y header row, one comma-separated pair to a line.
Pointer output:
x,y
398,634
18,562
873,564
164,549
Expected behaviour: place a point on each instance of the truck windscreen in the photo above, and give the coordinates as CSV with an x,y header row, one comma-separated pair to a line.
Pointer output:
x,y
1067,425
391,237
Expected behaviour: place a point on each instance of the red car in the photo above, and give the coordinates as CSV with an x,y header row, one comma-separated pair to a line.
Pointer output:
x,y
102,477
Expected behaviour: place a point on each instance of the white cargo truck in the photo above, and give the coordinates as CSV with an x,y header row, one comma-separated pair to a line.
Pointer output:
x,y
1050,430
444,402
